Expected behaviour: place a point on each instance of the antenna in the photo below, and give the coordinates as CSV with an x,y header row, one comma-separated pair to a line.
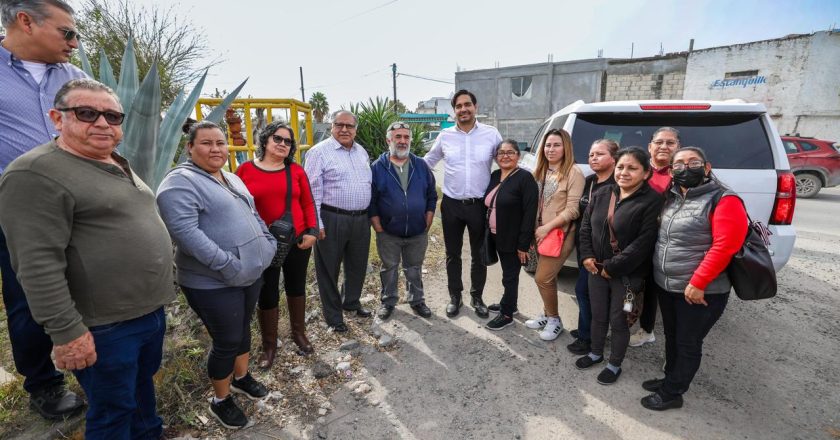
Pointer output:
x,y
661,49
600,53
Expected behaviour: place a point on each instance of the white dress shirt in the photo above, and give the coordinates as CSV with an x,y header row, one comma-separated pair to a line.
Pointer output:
x,y
467,158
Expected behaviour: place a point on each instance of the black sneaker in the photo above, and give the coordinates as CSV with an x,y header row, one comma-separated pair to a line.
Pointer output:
x,y
653,385
607,377
585,362
575,333
384,312
55,402
249,387
580,347
227,412
497,308
499,322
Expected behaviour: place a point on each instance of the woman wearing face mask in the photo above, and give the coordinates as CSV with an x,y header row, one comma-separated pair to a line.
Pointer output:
x,y
602,163
616,242
703,226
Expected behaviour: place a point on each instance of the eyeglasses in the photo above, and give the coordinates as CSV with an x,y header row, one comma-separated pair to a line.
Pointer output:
x,y
341,126
502,153
280,140
692,164
87,114
398,125
70,34
660,143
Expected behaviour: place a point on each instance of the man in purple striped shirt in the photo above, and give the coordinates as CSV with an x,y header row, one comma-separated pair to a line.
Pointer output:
x,y
34,55
340,177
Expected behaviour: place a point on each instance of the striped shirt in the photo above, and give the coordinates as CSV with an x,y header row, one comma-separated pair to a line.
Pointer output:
x,y
25,105
339,177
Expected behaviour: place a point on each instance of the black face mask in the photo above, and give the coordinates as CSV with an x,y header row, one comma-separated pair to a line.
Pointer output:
x,y
690,178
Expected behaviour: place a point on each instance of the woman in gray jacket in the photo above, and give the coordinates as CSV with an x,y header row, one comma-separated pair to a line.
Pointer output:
x,y
222,248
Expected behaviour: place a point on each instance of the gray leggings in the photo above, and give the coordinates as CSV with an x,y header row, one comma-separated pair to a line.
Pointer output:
x,y
607,299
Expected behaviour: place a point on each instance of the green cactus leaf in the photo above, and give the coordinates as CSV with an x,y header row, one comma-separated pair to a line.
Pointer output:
x,y
129,81
84,59
142,125
106,72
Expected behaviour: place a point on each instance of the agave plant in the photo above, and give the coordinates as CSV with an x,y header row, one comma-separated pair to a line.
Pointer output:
x,y
149,142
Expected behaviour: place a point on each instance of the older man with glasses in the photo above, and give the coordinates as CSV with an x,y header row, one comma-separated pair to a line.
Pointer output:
x,y
340,178
34,57
401,211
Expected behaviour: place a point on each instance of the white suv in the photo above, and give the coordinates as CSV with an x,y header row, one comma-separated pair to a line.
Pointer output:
x,y
739,139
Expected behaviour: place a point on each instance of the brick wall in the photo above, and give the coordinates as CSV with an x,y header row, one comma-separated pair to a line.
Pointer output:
x,y
645,86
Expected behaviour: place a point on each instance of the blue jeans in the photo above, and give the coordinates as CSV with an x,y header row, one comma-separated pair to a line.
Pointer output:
x,y
584,308
31,347
119,386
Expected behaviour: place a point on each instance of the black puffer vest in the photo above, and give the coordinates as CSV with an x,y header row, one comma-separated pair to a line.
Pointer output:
x,y
685,235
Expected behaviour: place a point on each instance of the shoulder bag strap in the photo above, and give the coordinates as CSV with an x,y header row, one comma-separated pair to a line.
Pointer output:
x,y
498,188
288,211
610,215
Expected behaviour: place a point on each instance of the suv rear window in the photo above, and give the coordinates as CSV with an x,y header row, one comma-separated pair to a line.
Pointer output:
x,y
730,140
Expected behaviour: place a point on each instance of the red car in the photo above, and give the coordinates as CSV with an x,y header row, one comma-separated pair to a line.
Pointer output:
x,y
815,162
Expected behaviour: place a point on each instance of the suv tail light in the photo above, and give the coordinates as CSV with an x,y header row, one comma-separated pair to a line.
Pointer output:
x,y
785,199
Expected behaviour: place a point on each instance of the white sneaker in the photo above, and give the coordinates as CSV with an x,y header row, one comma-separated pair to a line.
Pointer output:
x,y
537,323
641,337
552,330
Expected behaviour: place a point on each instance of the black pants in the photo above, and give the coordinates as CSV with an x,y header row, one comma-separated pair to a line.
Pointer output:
x,y
511,268
456,216
606,298
294,278
685,326
226,313
648,318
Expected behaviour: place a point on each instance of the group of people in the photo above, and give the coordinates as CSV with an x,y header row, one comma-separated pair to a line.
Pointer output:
x,y
86,249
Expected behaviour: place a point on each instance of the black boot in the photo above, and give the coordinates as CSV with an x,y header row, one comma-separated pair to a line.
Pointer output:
x,y
479,307
55,402
454,305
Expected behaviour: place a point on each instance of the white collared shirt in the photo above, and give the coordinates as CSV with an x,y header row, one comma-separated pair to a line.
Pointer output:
x,y
467,158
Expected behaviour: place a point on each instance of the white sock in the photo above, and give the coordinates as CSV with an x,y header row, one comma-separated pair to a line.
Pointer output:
x,y
554,320
241,377
217,401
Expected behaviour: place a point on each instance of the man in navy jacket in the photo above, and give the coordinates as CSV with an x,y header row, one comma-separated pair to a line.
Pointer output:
x,y
401,209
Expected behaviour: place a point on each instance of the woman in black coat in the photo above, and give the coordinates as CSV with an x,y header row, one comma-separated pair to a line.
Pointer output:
x,y
613,268
511,200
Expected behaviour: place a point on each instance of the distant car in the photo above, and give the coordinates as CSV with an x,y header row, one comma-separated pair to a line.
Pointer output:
x,y
429,139
814,162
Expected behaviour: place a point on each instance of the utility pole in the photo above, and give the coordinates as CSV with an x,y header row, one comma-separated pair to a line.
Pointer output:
x,y
302,94
394,71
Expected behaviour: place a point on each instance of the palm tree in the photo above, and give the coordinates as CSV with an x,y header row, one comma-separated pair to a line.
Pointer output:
x,y
320,106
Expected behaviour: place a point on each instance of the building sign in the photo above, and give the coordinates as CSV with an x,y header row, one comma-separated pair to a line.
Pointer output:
x,y
739,82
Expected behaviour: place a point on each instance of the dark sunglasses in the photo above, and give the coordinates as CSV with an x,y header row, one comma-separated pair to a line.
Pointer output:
x,y
280,140
70,34
87,114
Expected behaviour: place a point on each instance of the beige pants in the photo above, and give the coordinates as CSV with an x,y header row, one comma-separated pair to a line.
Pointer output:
x,y
546,274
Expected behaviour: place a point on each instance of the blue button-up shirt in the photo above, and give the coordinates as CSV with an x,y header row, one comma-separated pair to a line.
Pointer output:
x,y
24,105
338,177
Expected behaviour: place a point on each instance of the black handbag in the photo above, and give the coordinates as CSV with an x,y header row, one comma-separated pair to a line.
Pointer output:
x,y
751,269
283,229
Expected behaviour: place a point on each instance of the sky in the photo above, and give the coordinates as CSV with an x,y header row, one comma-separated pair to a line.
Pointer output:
x,y
346,48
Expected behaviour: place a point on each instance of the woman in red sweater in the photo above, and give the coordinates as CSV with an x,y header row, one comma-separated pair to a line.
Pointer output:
x,y
703,224
265,178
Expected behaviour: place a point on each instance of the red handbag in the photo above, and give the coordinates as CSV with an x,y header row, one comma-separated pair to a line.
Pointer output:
x,y
552,244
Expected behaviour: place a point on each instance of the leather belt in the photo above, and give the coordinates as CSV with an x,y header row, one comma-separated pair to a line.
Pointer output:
x,y
472,201
343,211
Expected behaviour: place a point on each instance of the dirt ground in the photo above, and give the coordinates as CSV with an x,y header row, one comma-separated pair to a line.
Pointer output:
x,y
770,371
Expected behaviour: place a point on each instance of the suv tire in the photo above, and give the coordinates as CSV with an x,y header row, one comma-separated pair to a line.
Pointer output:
x,y
807,185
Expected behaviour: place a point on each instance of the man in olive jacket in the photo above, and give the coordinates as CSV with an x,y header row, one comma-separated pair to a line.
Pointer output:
x,y
94,259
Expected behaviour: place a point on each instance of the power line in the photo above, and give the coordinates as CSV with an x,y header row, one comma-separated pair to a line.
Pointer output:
x,y
424,78
319,86
365,12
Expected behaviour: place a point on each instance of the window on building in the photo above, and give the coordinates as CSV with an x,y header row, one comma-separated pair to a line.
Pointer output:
x,y
520,85
741,74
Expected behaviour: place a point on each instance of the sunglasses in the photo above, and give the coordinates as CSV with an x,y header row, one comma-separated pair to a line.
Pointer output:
x,y
280,140
70,34
399,125
87,114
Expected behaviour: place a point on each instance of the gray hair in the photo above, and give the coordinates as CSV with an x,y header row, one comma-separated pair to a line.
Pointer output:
x,y
37,9
397,126
661,129
82,84
339,112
